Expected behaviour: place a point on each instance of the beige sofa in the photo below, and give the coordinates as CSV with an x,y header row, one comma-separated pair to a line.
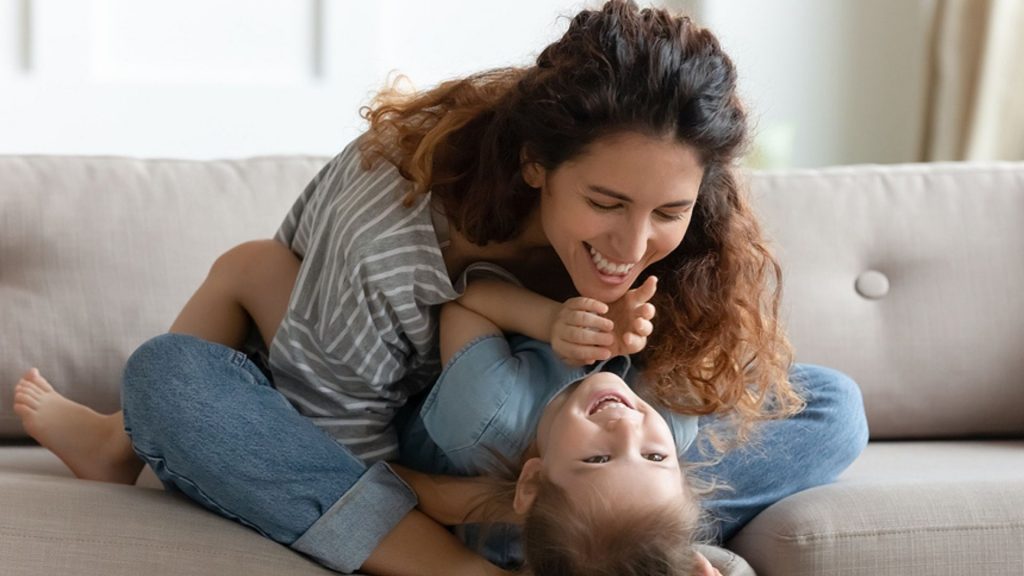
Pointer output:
x,y
908,278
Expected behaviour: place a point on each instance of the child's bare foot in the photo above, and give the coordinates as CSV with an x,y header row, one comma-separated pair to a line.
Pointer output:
x,y
94,446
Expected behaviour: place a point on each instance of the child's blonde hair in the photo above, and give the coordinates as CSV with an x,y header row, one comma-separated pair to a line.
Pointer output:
x,y
599,536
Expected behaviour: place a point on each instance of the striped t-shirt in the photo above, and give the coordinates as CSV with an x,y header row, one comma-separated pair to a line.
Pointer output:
x,y
360,334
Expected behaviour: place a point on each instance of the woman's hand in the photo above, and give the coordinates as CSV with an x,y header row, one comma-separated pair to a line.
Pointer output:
x,y
631,316
580,334
705,567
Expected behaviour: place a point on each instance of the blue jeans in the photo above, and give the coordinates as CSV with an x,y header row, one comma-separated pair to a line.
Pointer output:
x,y
786,456
211,425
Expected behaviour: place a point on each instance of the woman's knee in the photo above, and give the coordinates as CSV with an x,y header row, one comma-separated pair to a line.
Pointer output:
x,y
146,371
164,379
835,399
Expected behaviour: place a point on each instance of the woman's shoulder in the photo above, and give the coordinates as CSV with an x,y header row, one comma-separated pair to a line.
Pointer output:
x,y
353,174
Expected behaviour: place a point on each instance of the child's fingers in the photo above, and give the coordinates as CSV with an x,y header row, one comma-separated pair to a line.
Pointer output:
x,y
633,343
589,320
646,290
580,355
642,327
587,337
646,311
587,305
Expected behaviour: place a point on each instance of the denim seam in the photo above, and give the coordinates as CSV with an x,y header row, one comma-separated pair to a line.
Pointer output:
x,y
222,510
432,396
487,426
375,478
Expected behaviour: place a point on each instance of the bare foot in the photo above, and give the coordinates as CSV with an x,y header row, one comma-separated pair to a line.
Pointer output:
x,y
92,445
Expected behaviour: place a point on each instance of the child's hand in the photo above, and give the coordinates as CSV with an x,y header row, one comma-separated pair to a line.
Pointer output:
x,y
580,334
632,316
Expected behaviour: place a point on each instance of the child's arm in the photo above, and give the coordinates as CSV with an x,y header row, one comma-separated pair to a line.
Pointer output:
x,y
581,330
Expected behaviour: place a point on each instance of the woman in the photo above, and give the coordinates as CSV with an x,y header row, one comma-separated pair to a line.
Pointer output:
x,y
581,175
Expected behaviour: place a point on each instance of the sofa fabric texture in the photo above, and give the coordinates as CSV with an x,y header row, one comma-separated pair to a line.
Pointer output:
x,y
908,278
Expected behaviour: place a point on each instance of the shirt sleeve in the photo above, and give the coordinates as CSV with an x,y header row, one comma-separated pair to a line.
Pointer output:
x,y
295,230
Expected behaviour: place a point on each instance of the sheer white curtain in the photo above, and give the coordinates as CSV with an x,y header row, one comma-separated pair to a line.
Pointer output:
x,y
975,108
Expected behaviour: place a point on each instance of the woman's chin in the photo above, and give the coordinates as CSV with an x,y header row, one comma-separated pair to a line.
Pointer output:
x,y
604,292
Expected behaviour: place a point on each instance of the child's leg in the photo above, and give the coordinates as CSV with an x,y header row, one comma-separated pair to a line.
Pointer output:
x,y
249,283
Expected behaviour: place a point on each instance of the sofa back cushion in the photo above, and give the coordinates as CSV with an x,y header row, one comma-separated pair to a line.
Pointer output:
x,y
911,280
99,254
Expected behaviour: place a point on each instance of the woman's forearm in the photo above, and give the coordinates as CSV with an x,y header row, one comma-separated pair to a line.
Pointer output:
x,y
419,546
452,500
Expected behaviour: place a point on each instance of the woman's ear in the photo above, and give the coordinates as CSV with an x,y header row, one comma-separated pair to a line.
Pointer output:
x,y
533,172
527,486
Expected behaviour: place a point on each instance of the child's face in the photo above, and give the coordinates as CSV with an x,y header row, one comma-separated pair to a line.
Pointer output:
x,y
601,437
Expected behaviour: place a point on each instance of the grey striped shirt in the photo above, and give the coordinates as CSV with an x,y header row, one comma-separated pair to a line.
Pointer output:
x,y
360,334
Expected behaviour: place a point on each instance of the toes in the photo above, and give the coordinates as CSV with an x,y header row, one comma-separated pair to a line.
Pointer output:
x,y
27,387
32,381
36,378
25,400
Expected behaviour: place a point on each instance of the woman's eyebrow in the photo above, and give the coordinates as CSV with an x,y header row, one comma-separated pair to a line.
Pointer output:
x,y
622,197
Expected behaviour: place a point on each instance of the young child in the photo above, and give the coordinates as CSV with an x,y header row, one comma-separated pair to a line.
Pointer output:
x,y
601,484
599,488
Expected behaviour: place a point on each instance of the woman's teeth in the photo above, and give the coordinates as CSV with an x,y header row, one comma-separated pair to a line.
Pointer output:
x,y
607,267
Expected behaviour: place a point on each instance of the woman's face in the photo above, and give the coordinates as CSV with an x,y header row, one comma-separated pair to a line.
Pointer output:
x,y
614,210
599,437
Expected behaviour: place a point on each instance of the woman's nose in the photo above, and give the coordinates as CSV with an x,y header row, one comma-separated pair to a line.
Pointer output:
x,y
632,241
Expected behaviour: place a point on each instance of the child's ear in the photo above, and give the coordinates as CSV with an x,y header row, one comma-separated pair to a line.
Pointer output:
x,y
527,486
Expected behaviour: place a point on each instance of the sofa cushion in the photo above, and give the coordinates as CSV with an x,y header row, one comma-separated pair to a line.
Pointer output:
x,y
99,254
934,338
52,523
55,524
902,509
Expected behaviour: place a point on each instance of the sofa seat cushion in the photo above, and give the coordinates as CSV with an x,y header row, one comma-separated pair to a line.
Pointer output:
x,y
52,523
904,508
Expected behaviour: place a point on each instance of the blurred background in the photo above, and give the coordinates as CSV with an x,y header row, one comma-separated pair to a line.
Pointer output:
x,y
828,82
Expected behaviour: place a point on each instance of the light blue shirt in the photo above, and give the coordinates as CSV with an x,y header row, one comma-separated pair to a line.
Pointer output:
x,y
482,413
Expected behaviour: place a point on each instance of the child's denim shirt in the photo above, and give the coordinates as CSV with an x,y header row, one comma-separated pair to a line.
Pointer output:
x,y
482,413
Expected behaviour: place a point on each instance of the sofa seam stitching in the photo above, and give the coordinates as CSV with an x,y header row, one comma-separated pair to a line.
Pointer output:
x,y
922,530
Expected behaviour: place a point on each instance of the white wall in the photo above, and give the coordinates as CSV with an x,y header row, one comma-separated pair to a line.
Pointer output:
x,y
829,81
225,78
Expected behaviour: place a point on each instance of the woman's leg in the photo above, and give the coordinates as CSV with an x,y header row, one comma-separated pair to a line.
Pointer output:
x,y
787,456
208,422
249,284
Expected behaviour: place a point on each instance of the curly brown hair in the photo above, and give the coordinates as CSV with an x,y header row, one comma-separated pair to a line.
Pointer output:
x,y
718,345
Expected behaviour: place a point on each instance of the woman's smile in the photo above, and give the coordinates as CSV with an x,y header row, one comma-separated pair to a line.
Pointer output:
x,y
617,208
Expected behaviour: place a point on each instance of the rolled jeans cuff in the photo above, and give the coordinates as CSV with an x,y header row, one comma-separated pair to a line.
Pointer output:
x,y
345,536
